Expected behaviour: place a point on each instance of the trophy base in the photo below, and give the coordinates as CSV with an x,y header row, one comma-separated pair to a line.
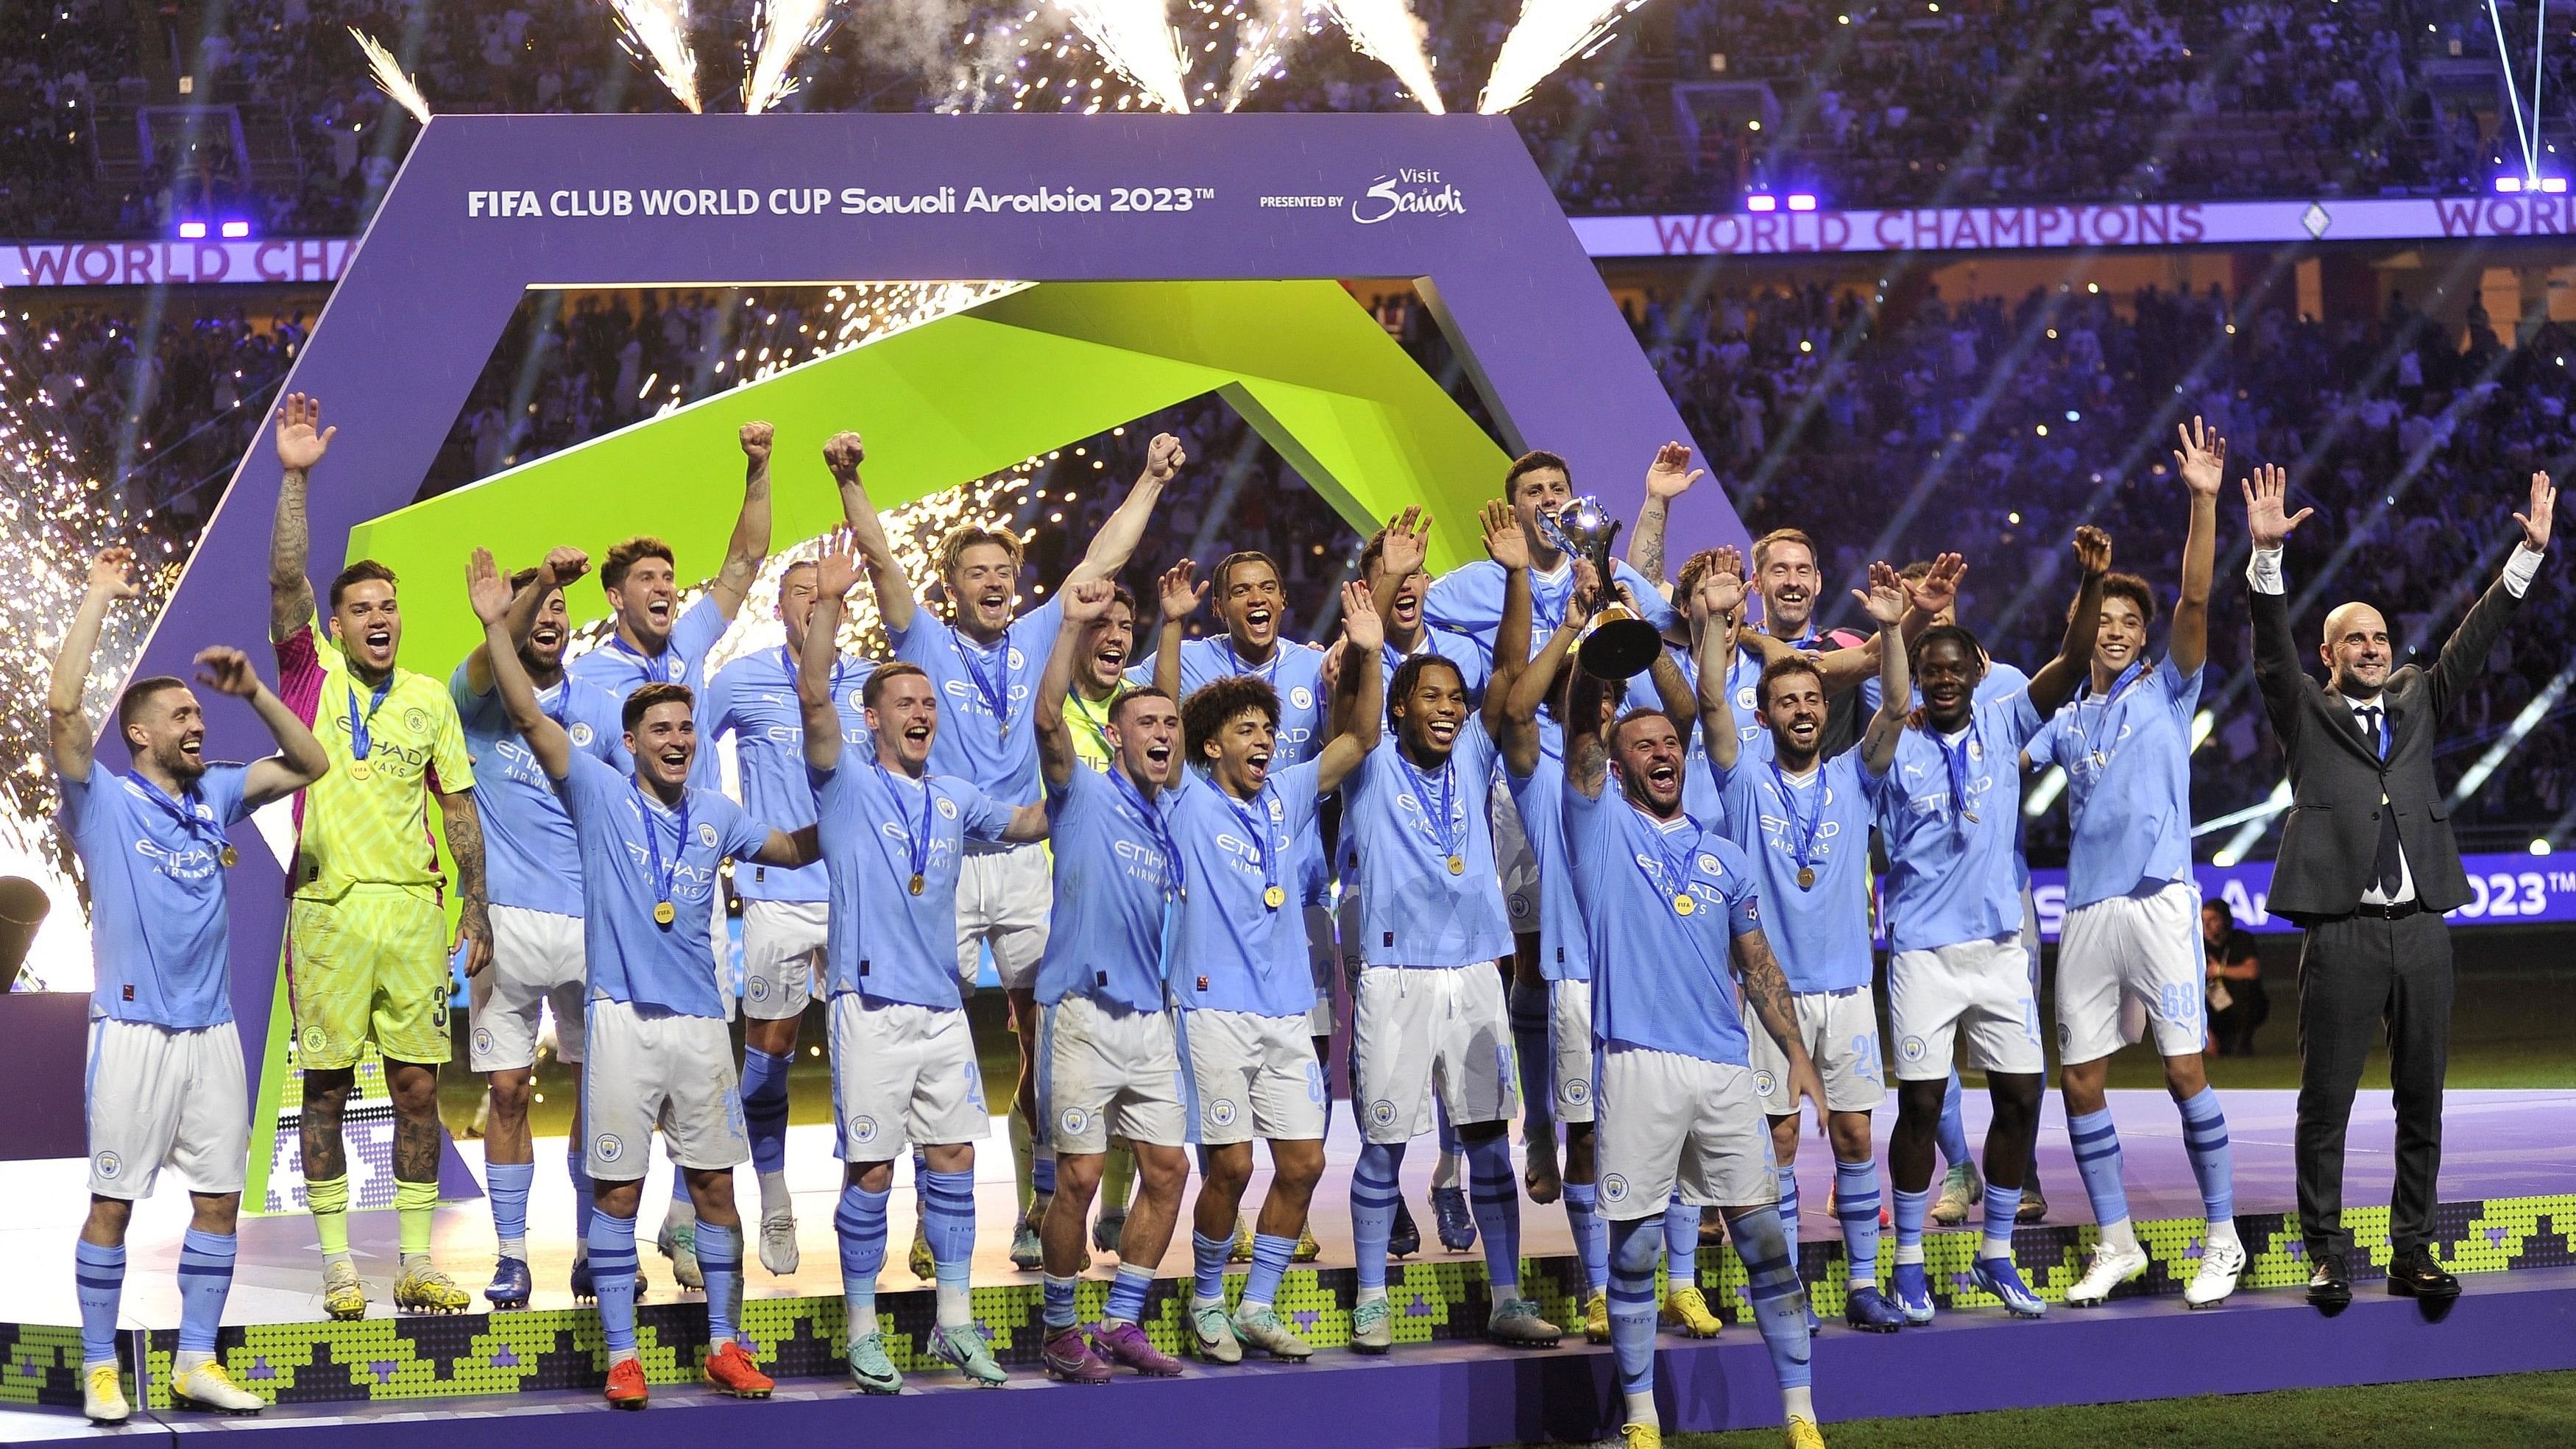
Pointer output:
x,y
1618,646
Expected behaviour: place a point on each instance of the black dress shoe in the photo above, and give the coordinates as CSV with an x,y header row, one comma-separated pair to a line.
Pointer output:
x,y
2330,1284
2413,1273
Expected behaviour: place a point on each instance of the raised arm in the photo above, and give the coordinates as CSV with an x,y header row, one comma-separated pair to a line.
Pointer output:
x,y
1929,596
1518,736
895,599
1359,690
301,442
111,577
464,829
1400,553
1841,668
1670,476
1116,542
835,574
791,848
1085,600
1717,598
1587,756
1507,543
299,760
749,546
2202,461
1028,822
2277,671
490,595
562,566
1886,603
2056,680
2465,652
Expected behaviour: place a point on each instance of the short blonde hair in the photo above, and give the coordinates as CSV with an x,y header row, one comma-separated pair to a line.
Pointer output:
x,y
954,543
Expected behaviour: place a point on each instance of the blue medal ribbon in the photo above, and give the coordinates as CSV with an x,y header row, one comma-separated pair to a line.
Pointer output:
x,y
1673,875
361,742
186,814
979,663
1155,827
664,876
1801,832
656,667
916,842
1267,673
1256,825
1451,830
1956,757
2098,733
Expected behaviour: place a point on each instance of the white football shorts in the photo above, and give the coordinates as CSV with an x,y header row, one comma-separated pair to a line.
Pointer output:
x,y
782,945
1003,901
653,1069
537,963
1423,1029
1668,1121
1105,1071
1251,1076
1983,987
903,1075
2126,964
1840,1032
161,1097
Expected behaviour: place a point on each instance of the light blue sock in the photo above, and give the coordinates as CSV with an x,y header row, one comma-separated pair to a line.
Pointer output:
x,y
1207,1263
1787,1178
720,1260
1954,1130
1494,1196
2097,1161
1446,1134
680,1190
577,1162
507,1183
1374,1189
1537,1061
1910,1211
1270,1255
1681,1243
764,1108
1856,1204
1058,1302
860,1224
952,1243
1591,1242
1632,1303
205,1277
1779,1301
1127,1294
2001,1205
2204,1136
99,1274
612,1276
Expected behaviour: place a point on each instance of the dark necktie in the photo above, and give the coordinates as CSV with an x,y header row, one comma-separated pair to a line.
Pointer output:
x,y
2389,868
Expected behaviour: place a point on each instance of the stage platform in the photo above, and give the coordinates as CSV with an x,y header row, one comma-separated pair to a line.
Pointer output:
x,y
2510,1203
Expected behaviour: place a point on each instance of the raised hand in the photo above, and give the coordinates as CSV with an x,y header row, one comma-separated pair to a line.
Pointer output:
x,y
1360,622
486,587
2535,524
843,455
2202,459
1671,475
1406,545
2093,550
1939,589
2267,515
227,671
565,563
301,438
1088,599
1885,600
1585,596
1720,591
755,439
1164,458
1181,592
1506,542
836,573
111,574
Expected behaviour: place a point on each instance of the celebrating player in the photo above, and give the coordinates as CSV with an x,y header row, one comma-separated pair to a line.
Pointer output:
x,y
1099,678
982,661
1430,1014
164,1084
1108,1062
366,942
535,869
1241,976
894,832
1802,821
2129,951
658,1054
1666,899
1949,810
783,911
655,642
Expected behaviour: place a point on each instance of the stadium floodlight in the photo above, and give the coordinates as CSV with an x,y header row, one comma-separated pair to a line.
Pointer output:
x,y
235,230
1762,201
2540,846
191,230
2509,185
2554,185
1802,201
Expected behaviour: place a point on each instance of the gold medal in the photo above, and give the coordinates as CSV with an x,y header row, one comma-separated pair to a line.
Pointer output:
x,y
361,770
1968,815
1457,865
1683,905
230,857
2100,759
664,913
917,884
1274,898
1806,877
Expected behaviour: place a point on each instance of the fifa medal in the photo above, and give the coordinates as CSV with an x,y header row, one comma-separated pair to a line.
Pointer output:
x,y
917,884
1274,898
1806,877
664,913
2100,759
1968,815
1457,865
361,770
1683,905
230,857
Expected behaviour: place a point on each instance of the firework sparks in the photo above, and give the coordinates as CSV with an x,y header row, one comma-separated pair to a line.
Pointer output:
x,y
1391,34
787,29
1262,38
1549,33
389,77
1134,39
656,34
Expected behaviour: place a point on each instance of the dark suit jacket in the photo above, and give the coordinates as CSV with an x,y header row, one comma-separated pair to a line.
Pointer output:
x,y
2337,779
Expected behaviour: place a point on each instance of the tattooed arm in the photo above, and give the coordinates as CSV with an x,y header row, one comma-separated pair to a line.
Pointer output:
x,y
1766,990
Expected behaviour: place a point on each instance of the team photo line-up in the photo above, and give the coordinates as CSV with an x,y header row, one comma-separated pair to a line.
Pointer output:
x,y
1575,844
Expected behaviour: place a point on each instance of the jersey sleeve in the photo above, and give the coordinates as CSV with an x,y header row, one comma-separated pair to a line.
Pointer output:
x,y
75,810
1465,599
2182,692
1033,633
2018,716
1658,610
983,817
700,626
222,787
2042,747
451,766
1587,817
300,671
740,836
1743,897
589,785
1298,800
460,692
909,641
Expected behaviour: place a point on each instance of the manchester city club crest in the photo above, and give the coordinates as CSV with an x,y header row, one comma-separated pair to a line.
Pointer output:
x,y
316,1040
1763,1083
1577,1091
947,808
483,1039
863,1129
1614,1188
1302,697
416,721
758,987
707,834
1911,1049
581,735
1382,1112
1221,1112
1073,1121
609,1148
109,1164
